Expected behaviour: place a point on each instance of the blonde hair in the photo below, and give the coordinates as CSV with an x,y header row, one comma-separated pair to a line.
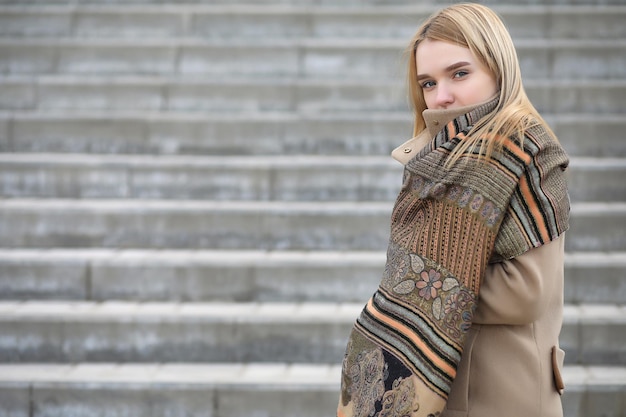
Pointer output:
x,y
481,30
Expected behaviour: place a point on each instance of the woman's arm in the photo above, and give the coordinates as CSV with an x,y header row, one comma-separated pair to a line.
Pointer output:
x,y
517,291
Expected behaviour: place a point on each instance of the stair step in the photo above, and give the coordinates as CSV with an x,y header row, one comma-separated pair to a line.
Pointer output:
x,y
339,133
115,331
192,224
348,4
252,21
27,223
609,277
596,179
170,390
246,276
174,332
308,58
226,95
312,178
192,177
233,390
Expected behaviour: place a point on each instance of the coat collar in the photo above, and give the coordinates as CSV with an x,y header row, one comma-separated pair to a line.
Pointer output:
x,y
436,120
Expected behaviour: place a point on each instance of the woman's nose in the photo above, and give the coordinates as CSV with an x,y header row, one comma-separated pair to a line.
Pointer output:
x,y
444,96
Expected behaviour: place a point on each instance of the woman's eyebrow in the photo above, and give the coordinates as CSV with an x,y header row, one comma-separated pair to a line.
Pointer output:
x,y
457,65
449,68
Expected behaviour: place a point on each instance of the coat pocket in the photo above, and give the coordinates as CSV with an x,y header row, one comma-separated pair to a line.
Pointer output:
x,y
558,355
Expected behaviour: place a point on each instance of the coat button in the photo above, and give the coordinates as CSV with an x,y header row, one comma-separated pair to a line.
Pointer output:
x,y
436,122
407,150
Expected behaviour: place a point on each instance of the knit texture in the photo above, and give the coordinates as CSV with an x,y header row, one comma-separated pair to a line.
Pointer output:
x,y
446,226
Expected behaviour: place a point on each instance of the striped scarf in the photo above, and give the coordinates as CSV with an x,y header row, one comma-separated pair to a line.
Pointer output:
x,y
447,225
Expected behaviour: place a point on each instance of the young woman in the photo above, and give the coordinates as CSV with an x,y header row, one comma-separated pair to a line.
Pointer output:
x,y
466,319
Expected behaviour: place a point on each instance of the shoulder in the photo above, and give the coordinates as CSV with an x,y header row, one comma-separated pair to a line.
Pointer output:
x,y
537,142
544,147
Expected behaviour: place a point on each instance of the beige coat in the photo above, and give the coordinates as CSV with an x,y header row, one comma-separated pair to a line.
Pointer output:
x,y
507,368
511,366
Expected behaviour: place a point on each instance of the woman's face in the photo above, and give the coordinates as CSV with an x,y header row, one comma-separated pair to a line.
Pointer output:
x,y
450,76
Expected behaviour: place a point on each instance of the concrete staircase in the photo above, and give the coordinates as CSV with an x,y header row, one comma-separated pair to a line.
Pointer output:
x,y
196,197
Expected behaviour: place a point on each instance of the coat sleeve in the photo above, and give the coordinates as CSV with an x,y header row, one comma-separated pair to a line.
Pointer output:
x,y
517,291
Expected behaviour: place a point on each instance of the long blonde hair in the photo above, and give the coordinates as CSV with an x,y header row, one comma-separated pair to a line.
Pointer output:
x,y
481,30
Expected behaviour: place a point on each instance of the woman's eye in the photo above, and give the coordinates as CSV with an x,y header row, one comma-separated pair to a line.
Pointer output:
x,y
428,84
460,74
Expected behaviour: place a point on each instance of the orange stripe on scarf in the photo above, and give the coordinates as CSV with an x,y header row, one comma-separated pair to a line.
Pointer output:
x,y
410,334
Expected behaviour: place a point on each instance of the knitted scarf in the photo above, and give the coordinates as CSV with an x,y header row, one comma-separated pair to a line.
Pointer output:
x,y
447,225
